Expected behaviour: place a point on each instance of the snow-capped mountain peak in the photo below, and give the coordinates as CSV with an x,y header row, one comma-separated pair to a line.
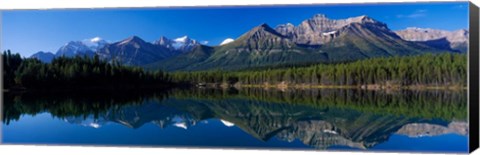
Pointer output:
x,y
83,47
94,43
183,39
183,44
96,39
72,48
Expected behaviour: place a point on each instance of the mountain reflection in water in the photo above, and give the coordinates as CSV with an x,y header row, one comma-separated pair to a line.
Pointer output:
x,y
319,118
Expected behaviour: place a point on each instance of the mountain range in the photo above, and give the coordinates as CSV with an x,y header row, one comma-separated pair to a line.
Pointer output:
x,y
87,47
315,40
130,51
456,40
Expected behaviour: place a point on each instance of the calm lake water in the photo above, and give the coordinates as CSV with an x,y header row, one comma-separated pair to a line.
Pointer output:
x,y
324,119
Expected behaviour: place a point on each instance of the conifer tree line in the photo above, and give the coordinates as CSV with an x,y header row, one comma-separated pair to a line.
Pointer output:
x,y
428,69
78,72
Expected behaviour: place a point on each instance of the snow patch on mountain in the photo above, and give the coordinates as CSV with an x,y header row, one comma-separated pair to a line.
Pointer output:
x,y
182,125
227,123
183,39
226,41
329,33
96,39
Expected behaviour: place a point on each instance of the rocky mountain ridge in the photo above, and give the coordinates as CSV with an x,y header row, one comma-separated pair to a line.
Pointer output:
x,y
457,40
315,40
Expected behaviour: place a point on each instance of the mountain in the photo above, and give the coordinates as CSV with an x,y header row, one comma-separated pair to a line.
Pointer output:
x,y
191,59
86,47
178,45
261,45
258,39
319,29
133,51
74,48
45,57
315,40
95,43
352,38
80,48
361,40
184,43
164,41
457,40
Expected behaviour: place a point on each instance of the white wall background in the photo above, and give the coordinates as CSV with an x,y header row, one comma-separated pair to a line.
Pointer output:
x,y
67,150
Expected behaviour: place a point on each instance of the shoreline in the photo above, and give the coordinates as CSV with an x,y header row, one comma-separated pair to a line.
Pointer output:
x,y
362,87
240,86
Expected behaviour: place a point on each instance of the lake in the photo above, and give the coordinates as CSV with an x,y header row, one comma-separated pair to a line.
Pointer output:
x,y
299,119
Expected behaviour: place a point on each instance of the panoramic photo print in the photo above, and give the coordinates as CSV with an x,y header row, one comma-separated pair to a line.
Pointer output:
x,y
362,77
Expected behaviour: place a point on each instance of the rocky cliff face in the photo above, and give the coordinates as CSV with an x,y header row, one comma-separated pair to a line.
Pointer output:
x,y
425,34
457,40
319,29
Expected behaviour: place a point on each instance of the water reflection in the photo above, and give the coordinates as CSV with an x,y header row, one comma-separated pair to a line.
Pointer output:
x,y
318,118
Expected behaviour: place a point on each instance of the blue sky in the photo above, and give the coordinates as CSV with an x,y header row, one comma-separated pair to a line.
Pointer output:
x,y
29,31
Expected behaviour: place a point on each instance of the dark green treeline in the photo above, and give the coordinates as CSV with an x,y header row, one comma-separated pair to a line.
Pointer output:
x,y
423,70
78,72
429,69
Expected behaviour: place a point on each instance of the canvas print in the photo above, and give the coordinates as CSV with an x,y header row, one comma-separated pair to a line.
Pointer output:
x,y
388,77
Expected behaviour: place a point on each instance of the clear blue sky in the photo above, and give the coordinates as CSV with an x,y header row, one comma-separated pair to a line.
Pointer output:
x,y
29,31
